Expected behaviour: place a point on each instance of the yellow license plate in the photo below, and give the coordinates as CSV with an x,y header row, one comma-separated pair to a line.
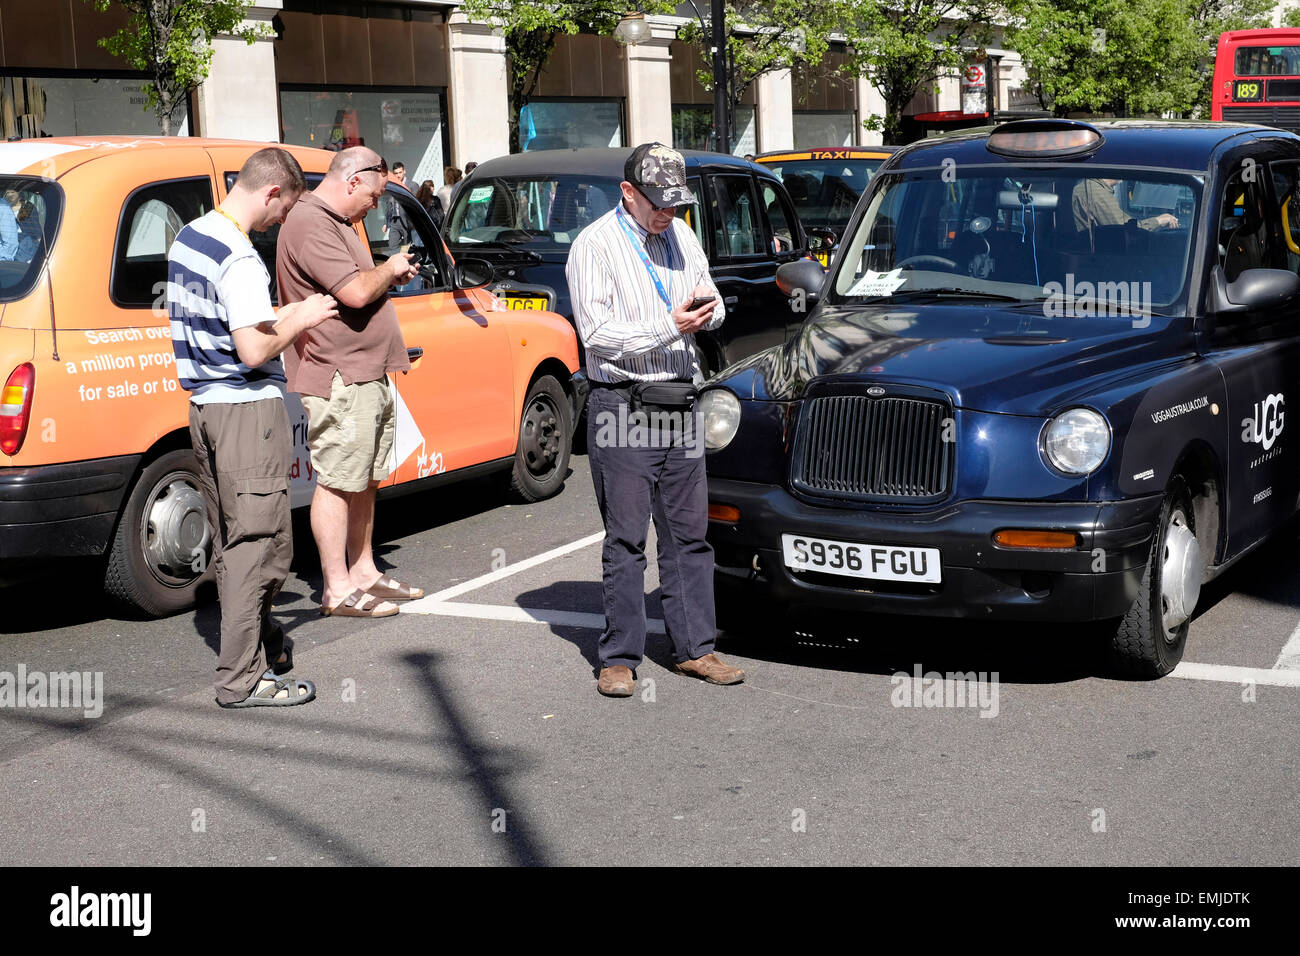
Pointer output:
x,y
525,302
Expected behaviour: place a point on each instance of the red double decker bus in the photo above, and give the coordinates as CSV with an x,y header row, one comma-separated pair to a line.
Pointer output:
x,y
1257,78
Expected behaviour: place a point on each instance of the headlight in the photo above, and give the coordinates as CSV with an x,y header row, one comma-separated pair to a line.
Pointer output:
x,y
721,412
1076,441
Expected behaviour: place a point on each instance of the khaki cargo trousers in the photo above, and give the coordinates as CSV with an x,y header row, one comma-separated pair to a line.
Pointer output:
x,y
243,462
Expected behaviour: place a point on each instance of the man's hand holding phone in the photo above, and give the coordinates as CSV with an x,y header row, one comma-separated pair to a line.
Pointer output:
x,y
404,270
693,315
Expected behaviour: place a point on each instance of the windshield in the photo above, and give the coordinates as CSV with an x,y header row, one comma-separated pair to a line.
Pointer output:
x,y
824,191
1101,244
537,213
29,218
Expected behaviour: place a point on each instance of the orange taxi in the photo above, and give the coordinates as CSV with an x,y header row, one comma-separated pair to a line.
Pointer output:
x,y
95,456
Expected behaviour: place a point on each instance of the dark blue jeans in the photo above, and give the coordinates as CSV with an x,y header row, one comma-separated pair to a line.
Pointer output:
x,y
634,483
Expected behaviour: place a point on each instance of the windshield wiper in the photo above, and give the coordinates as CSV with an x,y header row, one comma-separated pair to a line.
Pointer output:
x,y
511,247
955,292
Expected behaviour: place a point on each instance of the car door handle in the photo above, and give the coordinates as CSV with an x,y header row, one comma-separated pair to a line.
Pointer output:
x,y
414,354
731,300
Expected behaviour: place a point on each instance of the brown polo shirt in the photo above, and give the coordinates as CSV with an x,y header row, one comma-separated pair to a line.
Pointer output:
x,y
320,251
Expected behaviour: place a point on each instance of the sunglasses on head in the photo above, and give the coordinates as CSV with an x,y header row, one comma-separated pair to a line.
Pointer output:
x,y
381,167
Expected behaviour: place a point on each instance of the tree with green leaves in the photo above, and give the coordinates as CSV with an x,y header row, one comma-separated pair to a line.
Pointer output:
x,y
531,28
765,36
904,46
172,41
1127,57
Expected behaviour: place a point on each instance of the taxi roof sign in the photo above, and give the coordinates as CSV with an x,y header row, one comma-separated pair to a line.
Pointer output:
x,y
1045,139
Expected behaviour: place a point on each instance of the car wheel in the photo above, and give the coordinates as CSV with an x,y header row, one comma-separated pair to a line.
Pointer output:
x,y
545,437
162,550
1150,639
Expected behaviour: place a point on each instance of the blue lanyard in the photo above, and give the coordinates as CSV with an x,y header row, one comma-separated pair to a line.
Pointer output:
x,y
645,259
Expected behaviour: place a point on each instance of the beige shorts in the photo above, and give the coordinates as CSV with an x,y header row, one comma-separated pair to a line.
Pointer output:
x,y
350,435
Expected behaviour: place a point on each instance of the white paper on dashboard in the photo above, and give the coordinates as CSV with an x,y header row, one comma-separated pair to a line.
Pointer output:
x,y
878,283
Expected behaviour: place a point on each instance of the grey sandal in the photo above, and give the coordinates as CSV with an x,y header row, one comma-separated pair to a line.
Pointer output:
x,y
266,696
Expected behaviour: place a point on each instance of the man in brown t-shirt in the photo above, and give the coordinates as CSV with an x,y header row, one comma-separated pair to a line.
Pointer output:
x,y
339,368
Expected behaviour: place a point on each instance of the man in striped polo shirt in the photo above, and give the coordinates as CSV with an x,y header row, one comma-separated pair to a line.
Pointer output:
x,y
227,342
641,289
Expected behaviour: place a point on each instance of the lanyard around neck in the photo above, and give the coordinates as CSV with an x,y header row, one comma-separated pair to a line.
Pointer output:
x,y
645,259
236,222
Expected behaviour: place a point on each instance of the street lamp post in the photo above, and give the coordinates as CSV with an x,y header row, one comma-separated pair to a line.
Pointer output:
x,y
720,91
633,29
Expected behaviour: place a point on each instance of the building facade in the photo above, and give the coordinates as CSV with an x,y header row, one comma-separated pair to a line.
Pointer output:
x,y
419,83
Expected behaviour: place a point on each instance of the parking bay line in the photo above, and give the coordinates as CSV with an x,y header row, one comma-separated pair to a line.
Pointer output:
x,y
419,607
596,622
1284,673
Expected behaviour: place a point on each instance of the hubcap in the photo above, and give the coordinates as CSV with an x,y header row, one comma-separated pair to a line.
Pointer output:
x,y
174,534
1180,572
540,437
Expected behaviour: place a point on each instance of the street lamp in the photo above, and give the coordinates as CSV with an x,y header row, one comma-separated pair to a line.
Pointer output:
x,y
634,29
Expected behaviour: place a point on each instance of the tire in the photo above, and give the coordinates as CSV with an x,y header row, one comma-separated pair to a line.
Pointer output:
x,y
1150,638
153,562
545,438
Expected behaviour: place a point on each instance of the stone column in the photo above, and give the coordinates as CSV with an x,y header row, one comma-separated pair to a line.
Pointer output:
x,y
649,81
240,97
478,92
870,103
775,111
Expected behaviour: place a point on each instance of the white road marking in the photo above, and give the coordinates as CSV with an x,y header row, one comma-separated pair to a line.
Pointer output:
x,y
523,615
1284,673
1289,659
1237,675
419,607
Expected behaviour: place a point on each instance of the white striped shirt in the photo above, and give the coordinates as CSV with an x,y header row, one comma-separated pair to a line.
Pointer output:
x,y
624,325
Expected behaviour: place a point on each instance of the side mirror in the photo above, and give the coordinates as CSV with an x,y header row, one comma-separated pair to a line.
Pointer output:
x,y
821,239
801,276
1253,290
471,273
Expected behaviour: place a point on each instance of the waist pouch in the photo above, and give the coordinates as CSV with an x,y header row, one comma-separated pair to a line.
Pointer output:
x,y
663,396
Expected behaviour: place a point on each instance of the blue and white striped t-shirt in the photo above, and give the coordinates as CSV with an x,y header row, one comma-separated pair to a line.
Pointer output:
x,y
216,283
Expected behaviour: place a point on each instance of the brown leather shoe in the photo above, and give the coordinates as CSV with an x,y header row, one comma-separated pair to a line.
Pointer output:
x,y
710,668
616,681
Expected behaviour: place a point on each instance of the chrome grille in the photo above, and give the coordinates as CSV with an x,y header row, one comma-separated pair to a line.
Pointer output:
x,y
858,447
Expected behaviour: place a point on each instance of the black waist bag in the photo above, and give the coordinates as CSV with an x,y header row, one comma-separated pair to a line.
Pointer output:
x,y
662,396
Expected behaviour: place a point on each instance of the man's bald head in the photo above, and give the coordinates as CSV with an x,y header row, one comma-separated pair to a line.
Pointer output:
x,y
348,162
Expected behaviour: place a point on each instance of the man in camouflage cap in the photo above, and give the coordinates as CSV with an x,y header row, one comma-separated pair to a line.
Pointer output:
x,y
641,289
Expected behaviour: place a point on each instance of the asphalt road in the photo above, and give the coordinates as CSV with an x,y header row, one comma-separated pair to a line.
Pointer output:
x,y
468,729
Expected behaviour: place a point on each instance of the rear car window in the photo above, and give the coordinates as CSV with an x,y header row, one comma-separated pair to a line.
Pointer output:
x,y
29,221
152,216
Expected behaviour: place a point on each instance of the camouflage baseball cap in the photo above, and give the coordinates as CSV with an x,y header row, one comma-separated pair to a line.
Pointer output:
x,y
660,172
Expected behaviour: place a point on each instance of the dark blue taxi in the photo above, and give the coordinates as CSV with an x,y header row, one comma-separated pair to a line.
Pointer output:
x,y
1046,377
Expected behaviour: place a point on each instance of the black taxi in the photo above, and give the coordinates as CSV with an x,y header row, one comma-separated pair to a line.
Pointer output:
x,y
522,212
1046,377
824,184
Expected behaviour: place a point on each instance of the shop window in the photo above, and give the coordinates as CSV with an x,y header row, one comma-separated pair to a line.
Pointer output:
x,y
570,124
693,126
822,129
31,107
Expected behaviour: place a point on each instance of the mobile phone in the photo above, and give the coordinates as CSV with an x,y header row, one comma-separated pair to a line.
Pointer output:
x,y
700,302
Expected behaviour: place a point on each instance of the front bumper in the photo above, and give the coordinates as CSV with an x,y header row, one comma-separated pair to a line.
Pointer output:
x,y
61,511
1097,580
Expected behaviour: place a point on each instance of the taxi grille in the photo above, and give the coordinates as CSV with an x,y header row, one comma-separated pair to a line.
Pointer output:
x,y
871,449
